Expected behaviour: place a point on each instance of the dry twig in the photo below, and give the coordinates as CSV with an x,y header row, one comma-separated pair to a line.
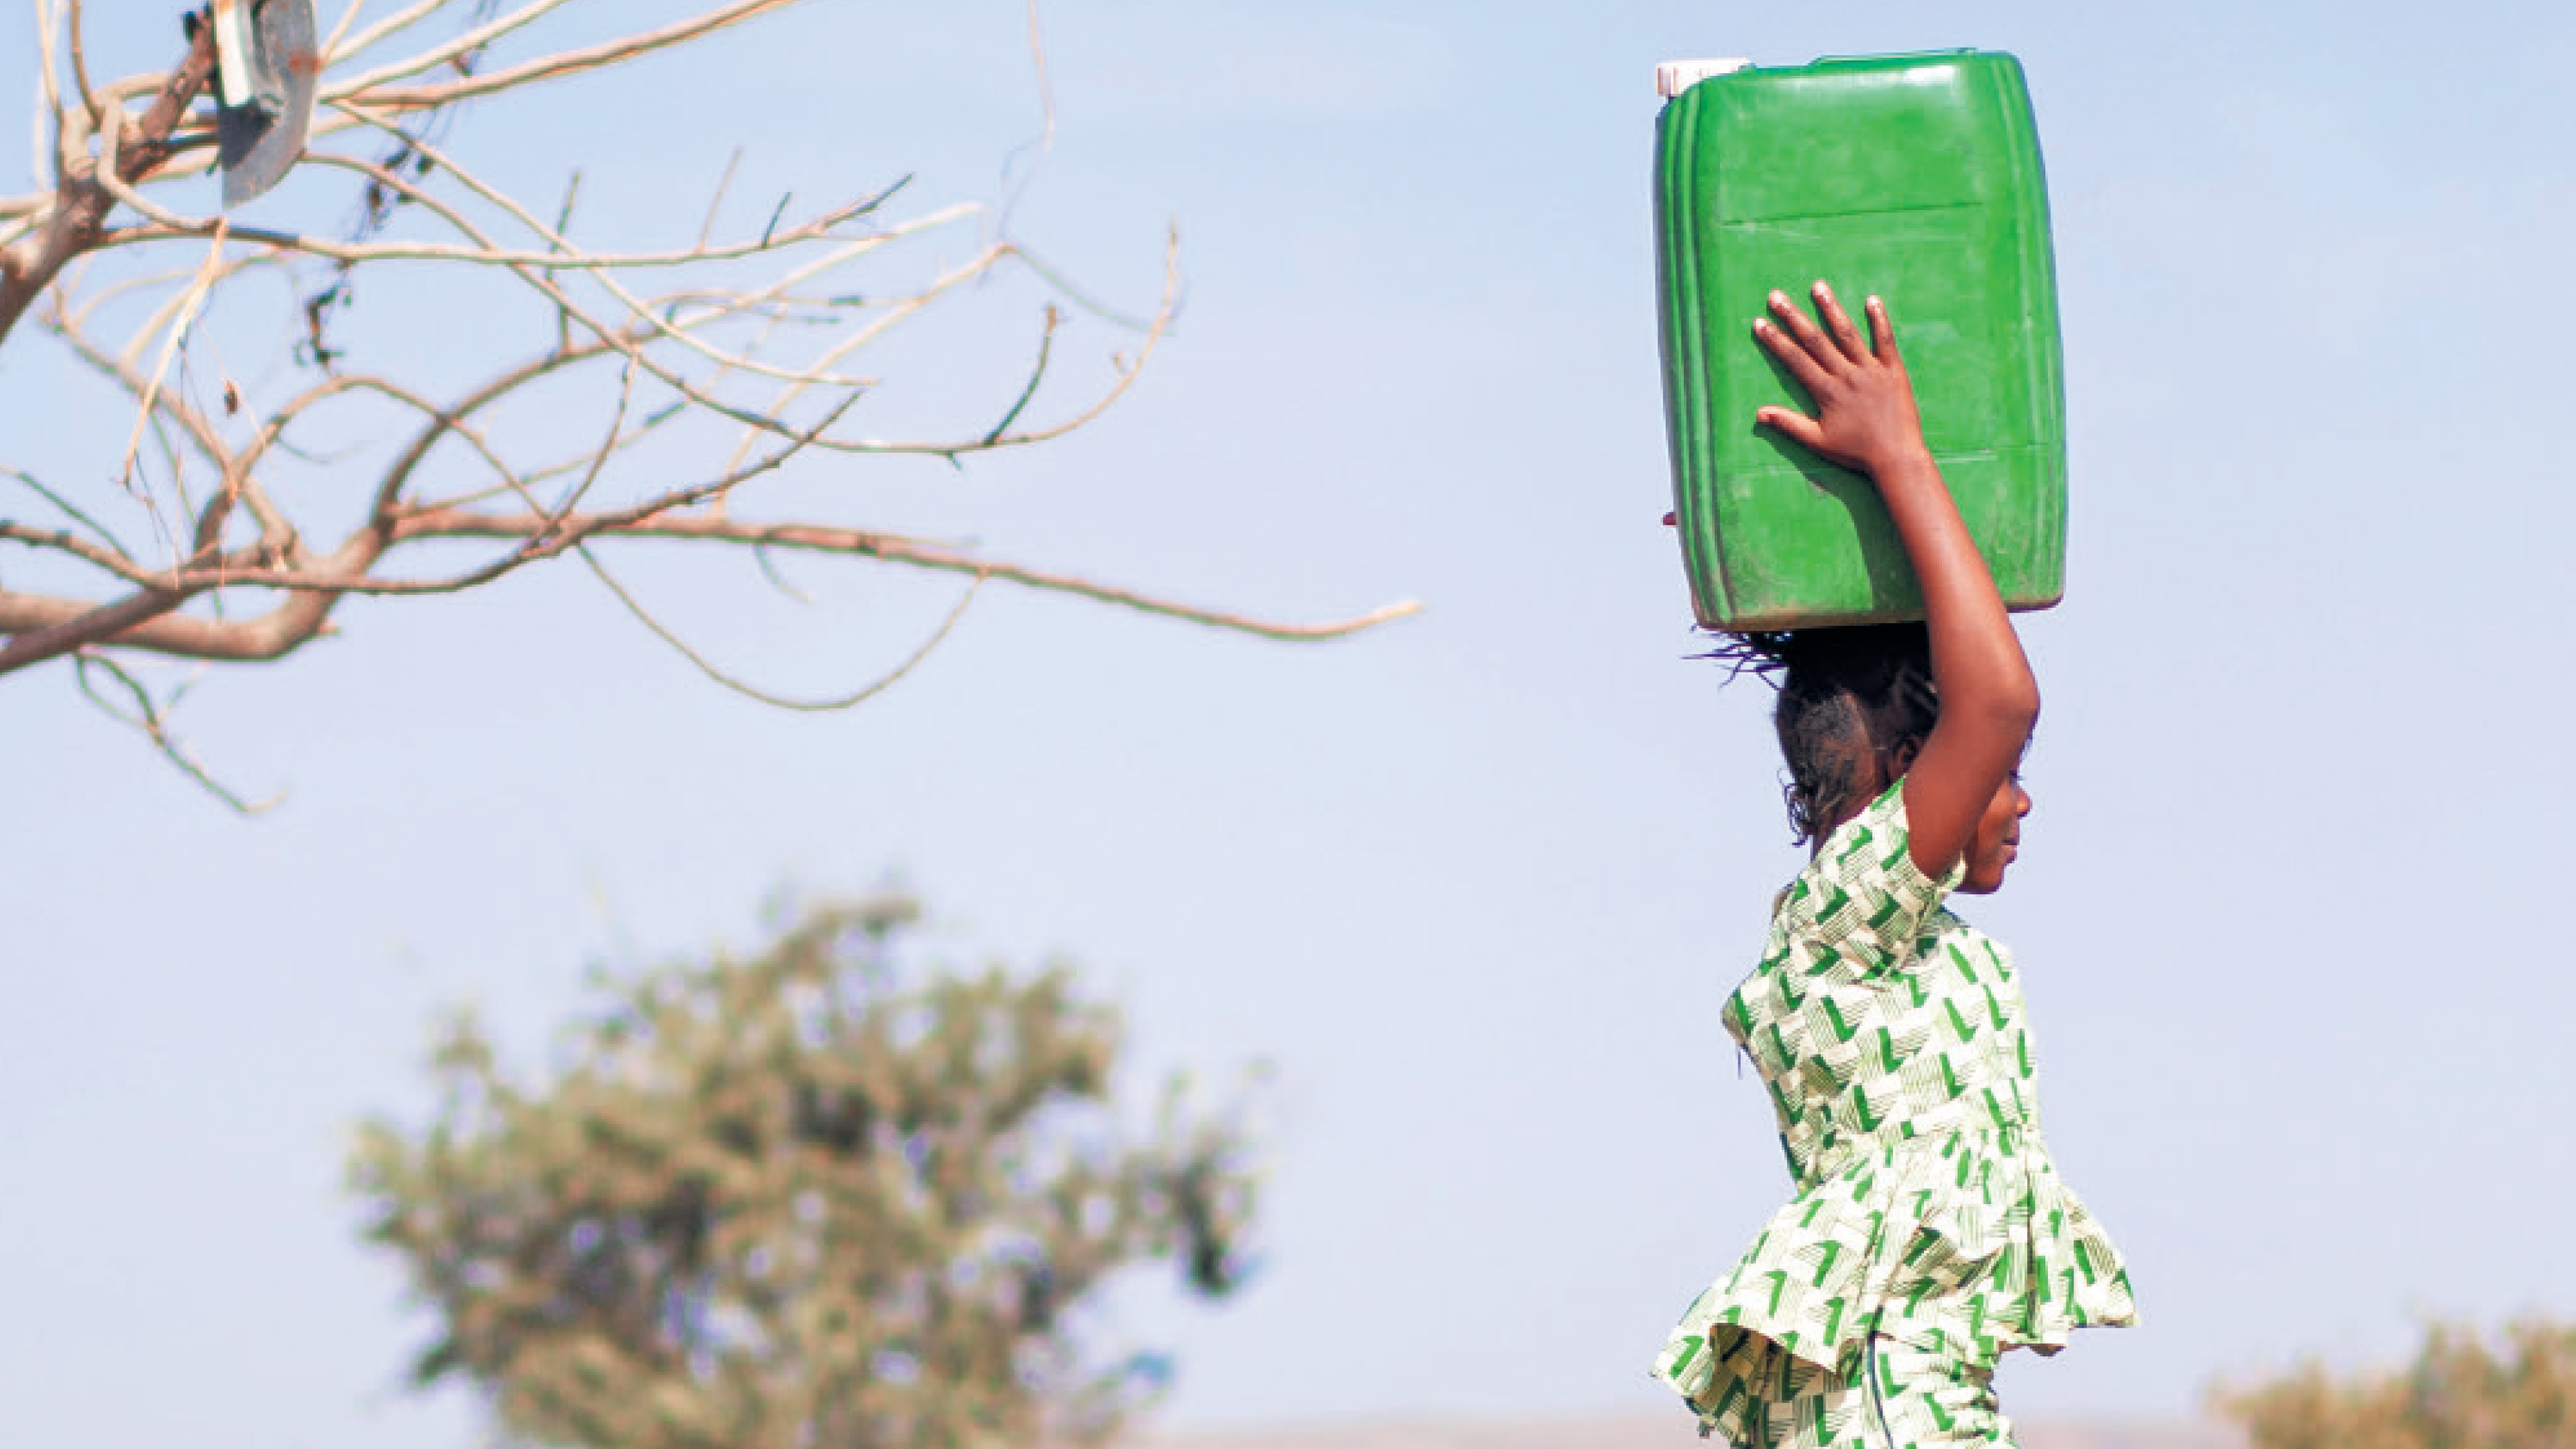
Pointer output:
x,y
743,345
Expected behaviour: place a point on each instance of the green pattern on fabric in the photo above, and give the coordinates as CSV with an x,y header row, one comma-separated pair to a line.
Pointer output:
x,y
1895,1396
1890,1037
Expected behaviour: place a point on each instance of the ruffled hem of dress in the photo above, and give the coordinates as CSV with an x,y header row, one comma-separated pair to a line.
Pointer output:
x,y
1906,1243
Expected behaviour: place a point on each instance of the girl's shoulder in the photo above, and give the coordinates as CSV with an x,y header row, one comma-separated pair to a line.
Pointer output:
x,y
1862,894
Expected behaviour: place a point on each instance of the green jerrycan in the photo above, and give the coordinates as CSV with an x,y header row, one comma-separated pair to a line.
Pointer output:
x,y
1914,178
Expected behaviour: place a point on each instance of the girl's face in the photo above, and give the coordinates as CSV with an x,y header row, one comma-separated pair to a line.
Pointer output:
x,y
1997,839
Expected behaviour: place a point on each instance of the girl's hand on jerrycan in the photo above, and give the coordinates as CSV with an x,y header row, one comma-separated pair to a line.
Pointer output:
x,y
1865,414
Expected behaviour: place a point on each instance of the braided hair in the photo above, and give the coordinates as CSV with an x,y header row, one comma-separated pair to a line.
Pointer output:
x,y
1846,694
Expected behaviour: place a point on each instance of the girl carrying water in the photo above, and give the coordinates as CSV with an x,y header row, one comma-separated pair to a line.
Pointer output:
x,y
1928,1232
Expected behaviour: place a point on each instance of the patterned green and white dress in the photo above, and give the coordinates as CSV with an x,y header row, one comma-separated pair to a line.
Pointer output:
x,y
1929,1231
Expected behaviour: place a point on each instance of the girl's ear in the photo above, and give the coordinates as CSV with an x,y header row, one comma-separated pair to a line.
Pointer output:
x,y
1901,759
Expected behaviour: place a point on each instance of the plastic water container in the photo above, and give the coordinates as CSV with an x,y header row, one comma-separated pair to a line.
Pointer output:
x,y
1915,178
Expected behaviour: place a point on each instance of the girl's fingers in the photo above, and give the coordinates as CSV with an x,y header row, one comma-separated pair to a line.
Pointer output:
x,y
1796,427
1882,335
1801,364
1839,323
1794,319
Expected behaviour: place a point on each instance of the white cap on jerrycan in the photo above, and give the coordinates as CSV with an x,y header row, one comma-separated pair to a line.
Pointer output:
x,y
1676,76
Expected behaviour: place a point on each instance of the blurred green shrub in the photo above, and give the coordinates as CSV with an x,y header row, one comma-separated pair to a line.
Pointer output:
x,y
811,1197
2462,1392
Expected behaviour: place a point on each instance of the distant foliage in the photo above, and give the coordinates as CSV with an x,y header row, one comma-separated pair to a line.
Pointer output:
x,y
2462,1392
814,1197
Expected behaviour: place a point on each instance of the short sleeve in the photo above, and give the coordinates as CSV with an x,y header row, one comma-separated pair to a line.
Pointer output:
x,y
1863,896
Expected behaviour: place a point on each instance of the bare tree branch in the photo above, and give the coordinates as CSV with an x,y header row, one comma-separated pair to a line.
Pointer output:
x,y
896,549
374,87
152,717
733,361
711,670
825,226
70,221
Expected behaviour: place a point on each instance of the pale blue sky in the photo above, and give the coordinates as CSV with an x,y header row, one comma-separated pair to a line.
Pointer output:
x,y
1477,883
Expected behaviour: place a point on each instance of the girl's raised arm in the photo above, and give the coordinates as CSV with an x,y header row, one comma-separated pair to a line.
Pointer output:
x,y
1866,420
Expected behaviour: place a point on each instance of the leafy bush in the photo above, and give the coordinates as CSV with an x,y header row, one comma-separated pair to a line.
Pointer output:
x,y
810,1198
2462,1392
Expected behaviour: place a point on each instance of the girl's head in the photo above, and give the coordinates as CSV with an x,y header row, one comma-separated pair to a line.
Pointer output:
x,y
1856,704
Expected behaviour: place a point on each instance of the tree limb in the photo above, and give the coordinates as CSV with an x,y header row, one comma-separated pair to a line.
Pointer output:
x,y
59,626
887,548
749,351
76,215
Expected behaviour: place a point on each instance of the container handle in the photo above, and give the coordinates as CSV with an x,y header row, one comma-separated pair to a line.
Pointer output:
x,y
1895,55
